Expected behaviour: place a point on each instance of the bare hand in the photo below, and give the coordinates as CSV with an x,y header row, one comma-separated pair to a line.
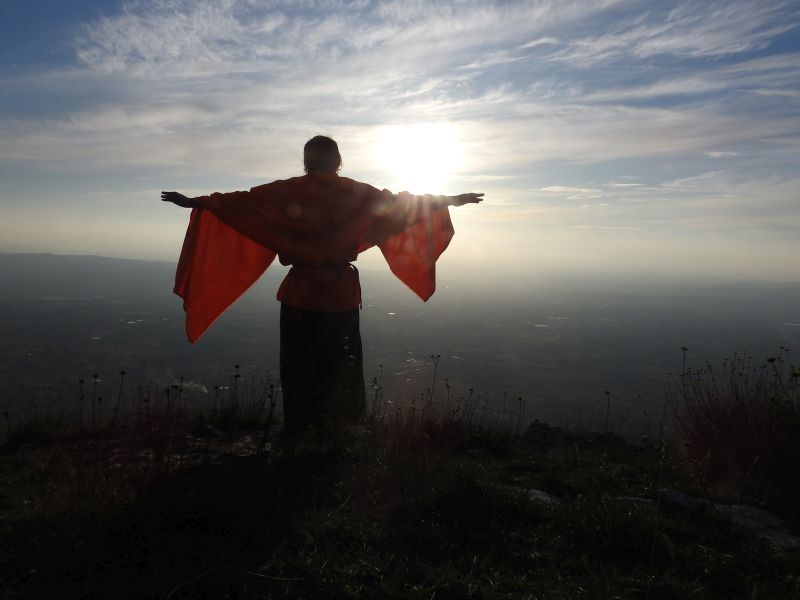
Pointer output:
x,y
462,199
177,198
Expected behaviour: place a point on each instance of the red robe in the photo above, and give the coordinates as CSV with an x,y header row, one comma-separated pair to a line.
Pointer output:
x,y
319,223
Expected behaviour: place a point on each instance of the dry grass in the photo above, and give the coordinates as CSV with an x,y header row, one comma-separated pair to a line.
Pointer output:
x,y
423,499
740,427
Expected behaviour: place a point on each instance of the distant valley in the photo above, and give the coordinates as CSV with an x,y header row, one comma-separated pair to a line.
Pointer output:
x,y
557,343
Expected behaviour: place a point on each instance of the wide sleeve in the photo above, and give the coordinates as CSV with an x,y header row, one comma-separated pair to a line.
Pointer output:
x,y
416,235
258,214
217,265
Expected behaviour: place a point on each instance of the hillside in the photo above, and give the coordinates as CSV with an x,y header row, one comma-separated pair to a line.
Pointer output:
x,y
408,506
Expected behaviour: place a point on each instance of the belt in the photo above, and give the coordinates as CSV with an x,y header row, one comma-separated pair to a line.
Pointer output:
x,y
343,266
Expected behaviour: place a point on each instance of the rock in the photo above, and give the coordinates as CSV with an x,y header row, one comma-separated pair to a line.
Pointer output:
x,y
538,495
635,499
543,497
764,524
675,498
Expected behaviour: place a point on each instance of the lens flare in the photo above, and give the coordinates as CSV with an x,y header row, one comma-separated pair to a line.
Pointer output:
x,y
422,158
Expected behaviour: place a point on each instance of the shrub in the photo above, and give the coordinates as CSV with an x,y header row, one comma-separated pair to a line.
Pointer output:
x,y
740,426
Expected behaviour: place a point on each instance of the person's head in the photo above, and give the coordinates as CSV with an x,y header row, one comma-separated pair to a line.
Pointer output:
x,y
321,155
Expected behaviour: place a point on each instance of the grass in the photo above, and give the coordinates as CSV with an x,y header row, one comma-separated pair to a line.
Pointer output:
x,y
421,501
740,428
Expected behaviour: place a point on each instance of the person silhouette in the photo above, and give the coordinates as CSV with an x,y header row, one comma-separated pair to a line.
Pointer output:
x,y
318,223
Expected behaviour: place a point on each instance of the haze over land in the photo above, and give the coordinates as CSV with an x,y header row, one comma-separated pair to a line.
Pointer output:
x,y
557,342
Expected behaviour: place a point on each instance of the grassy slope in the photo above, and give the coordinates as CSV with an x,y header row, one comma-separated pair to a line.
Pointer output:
x,y
420,510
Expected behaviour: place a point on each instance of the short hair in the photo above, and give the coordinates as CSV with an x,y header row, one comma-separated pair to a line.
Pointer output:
x,y
321,154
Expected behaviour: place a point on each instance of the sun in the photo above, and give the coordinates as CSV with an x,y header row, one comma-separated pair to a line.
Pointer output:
x,y
421,158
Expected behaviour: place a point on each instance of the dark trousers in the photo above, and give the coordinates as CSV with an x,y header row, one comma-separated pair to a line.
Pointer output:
x,y
322,373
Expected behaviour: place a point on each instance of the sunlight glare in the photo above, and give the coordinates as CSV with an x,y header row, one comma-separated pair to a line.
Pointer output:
x,y
421,158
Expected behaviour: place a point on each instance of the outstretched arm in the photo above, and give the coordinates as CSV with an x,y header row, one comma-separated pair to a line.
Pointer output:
x,y
460,199
431,201
180,200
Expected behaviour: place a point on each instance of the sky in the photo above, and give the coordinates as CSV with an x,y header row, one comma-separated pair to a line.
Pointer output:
x,y
654,138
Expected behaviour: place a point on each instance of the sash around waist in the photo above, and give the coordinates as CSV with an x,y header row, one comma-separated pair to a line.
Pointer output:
x,y
321,288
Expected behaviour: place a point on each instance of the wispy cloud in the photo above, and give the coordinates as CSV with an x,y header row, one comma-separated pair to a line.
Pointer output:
x,y
678,114
544,41
695,29
563,189
623,184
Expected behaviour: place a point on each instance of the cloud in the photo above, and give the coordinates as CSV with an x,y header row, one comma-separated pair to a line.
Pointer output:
x,y
201,38
686,110
562,189
705,182
695,29
766,75
544,41
607,228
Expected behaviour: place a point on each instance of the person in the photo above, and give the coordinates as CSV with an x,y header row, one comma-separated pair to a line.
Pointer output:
x,y
318,223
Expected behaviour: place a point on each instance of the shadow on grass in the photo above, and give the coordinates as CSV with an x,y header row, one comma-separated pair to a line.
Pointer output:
x,y
205,527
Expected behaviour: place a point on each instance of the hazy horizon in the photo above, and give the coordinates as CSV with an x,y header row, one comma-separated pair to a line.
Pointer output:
x,y
559,343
